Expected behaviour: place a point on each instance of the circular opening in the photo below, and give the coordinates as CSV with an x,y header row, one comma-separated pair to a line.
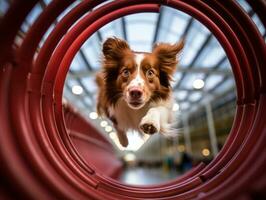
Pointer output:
x,y
203,91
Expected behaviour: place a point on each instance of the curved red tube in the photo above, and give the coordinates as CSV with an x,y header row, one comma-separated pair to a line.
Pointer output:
x,y
38,158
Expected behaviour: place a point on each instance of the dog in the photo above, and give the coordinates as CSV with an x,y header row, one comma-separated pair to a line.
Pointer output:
x,y
135,87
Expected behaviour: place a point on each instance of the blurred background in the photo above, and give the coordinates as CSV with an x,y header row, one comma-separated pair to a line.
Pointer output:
x,y
204,91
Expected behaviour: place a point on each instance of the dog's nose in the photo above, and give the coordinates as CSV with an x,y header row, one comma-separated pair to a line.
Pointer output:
x,y
135,93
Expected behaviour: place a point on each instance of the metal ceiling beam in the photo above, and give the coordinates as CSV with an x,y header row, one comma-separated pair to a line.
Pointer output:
x,y
124,28
99,35
83,56
207,71
188,27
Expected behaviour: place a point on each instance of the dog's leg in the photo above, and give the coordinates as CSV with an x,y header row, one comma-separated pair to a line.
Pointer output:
x,y
122,136
150,123
156,120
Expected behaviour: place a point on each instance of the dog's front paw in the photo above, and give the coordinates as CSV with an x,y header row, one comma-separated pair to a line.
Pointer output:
x,y
149,126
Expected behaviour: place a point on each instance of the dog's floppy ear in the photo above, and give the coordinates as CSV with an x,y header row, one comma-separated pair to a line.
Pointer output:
x,y
167,55
114,48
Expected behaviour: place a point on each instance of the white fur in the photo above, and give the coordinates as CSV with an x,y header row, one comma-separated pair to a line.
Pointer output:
x,y
138,80
158,114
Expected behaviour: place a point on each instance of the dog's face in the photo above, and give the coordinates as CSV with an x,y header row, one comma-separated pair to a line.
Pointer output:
x,y
136,77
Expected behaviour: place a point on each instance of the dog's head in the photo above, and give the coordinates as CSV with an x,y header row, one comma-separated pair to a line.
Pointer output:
x,y
138,77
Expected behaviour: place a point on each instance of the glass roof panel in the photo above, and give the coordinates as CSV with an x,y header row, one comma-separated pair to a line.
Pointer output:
x,y
244,5
32,16
35,12
47,1
47,33
89,83
138,42
140,46
212,80
117,26
194,41
88,101
142,17
167,13
71,82
4,5
175,28
181,95
195,96
178,25
140,32
176,78
225,65
112,29
67,93
210,55
92,50
140,29
184,105
78,64
168,36
80,104
260,26
226,85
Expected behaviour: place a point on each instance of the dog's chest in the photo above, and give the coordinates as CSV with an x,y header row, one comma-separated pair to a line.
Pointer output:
x,y
125,117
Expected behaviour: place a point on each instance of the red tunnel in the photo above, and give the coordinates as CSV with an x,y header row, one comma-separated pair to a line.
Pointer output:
x,y
38,155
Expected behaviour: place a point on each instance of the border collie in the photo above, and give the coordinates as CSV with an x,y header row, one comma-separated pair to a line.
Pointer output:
x,y
134,87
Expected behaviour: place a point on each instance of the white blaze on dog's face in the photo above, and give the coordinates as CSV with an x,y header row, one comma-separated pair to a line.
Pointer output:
x,y
138,78
135,92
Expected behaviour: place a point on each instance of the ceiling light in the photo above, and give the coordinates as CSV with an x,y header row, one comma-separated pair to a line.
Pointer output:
x,y
175,107
93,115
181,148
112,135
104,123
77,89
198,83
129,157
108,129
205,152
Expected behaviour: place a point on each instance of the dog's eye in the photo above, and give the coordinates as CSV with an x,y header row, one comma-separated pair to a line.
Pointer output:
x,y
125,73
150,73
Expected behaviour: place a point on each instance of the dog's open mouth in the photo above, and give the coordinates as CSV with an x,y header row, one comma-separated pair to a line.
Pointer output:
x,y
135,104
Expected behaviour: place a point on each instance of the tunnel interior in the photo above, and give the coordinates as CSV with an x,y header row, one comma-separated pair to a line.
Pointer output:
x,y
159,157
45,140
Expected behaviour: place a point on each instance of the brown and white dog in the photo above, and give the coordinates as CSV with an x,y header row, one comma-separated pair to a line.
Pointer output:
x,y
134,87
